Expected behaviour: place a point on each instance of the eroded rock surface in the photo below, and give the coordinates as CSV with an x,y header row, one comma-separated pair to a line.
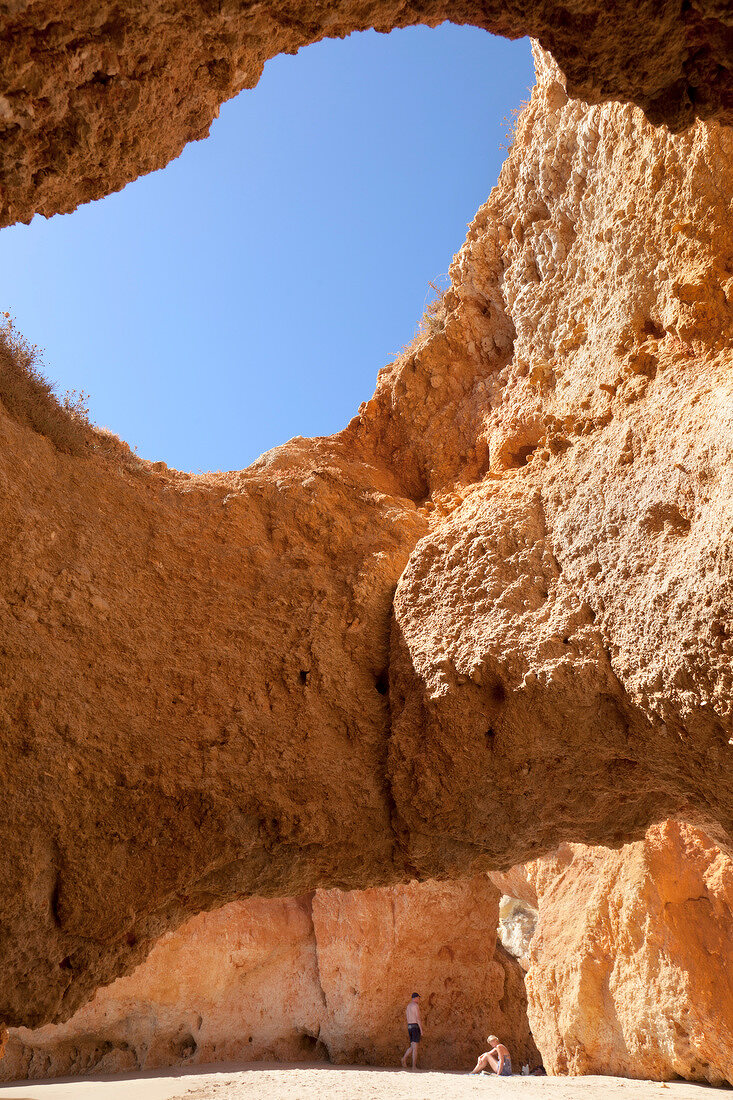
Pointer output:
x,y
324,976
517,926
437,938
188,678
96,94
211,689
631,969
562,636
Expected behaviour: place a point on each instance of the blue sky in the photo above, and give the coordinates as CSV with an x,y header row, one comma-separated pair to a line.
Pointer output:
x,y
251,290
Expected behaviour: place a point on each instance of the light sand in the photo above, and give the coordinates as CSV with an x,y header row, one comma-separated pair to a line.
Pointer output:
x,y
273,1081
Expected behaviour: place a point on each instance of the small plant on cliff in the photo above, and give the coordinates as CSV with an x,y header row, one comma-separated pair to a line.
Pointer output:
x,y
29,397
509,125
76,403
435,312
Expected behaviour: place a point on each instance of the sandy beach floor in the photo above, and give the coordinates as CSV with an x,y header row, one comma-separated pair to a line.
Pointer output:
x,y
323,1082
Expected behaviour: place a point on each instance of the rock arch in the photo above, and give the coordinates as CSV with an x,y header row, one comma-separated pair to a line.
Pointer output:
x,y
96,95
194,702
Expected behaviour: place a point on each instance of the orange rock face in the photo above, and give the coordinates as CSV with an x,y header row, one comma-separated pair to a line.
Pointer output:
x,y
209,680
564,630
241,982
96,95
631,969
297,979
376,946
490,616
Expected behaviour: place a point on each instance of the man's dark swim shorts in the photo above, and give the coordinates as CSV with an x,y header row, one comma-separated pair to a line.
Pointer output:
x,y
413,1030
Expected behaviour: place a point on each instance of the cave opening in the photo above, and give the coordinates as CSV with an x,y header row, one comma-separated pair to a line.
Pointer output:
x,y
314,979
67,594
250,290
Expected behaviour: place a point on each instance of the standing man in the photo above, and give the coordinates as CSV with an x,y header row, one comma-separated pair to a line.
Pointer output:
x,y
414,1029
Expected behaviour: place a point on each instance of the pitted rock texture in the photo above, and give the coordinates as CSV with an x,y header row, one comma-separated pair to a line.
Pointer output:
x,y
490,616
193,706
517,926
238,983
562,637
317,977
631,967
97,94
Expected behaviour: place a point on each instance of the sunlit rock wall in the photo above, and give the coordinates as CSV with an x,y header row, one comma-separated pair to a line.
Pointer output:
x,y
631,968
490,616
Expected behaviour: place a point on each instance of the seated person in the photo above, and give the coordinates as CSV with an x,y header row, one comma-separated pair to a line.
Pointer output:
x,y
497,1058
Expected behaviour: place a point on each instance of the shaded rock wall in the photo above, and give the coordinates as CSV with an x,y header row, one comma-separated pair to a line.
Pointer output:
x,y
631,967
441,937
96,95
238,983
188,678
324,976
490,616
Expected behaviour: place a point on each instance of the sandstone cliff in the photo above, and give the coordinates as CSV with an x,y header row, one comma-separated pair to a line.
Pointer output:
x,y
193,706
324,976
631,968
490,616
594,296
441,938
96,94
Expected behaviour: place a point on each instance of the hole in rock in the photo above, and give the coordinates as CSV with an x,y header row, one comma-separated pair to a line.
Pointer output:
x,y
521,456
515,452
517,925
497,692
652,329
251,290
185,1047
313,1047
304,674
382,682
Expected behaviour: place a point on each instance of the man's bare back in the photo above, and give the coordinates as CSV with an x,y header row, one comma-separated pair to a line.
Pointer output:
x,y
414,1030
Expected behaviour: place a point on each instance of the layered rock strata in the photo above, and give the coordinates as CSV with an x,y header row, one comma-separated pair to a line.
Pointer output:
x,y
490,616
631,967
96,94
317,977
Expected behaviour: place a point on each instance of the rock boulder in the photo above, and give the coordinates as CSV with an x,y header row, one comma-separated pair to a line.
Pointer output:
x,y
631,967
